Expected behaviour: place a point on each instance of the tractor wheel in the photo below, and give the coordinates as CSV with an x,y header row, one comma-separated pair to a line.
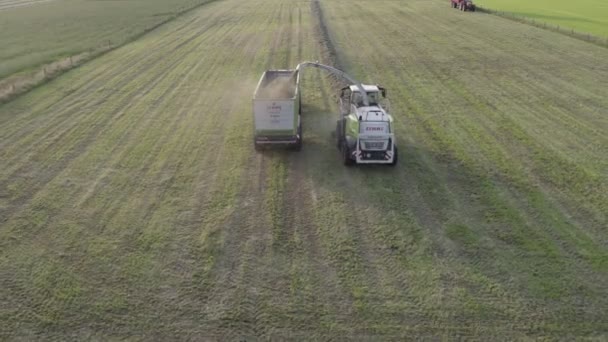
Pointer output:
x,y
346,159
395,156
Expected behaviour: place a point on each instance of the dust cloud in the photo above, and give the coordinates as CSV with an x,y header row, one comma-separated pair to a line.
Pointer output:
x,y
279,88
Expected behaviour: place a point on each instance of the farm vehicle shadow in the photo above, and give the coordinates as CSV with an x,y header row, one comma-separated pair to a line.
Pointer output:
x,y
428,185
421,176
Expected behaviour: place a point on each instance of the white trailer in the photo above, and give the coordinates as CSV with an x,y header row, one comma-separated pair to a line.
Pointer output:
x,y
277,109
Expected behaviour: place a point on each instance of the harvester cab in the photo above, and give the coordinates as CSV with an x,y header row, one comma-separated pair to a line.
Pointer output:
x,y
364,130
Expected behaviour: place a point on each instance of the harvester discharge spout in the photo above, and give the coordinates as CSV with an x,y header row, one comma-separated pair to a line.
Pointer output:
x,y
338,73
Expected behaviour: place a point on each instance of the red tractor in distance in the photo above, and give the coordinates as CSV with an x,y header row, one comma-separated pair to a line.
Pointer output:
x,y
463,5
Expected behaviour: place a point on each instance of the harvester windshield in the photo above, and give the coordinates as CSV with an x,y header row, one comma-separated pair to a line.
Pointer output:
x,y
372,97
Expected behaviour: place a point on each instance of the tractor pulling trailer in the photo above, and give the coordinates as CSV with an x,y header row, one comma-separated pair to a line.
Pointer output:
x,y
463,5
364,129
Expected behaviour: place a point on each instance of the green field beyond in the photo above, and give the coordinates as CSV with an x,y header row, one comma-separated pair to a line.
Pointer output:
x,y
589,16
45,31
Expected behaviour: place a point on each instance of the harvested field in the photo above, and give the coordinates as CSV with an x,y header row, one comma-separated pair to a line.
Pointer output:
x,y
133,204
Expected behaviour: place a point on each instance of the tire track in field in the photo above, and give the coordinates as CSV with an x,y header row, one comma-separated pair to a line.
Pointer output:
x,y
281,231
429,205
328,50
299,56
233,308
295,243
258,315
319,297
227,309
251,311
430,222
381,264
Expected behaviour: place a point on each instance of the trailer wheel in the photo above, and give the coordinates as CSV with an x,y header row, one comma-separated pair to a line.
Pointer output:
x,y
395,156
346,159
298,146
338,134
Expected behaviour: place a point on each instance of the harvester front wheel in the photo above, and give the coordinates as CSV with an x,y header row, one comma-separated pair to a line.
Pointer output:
x,y
395,156
346,158
339,134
